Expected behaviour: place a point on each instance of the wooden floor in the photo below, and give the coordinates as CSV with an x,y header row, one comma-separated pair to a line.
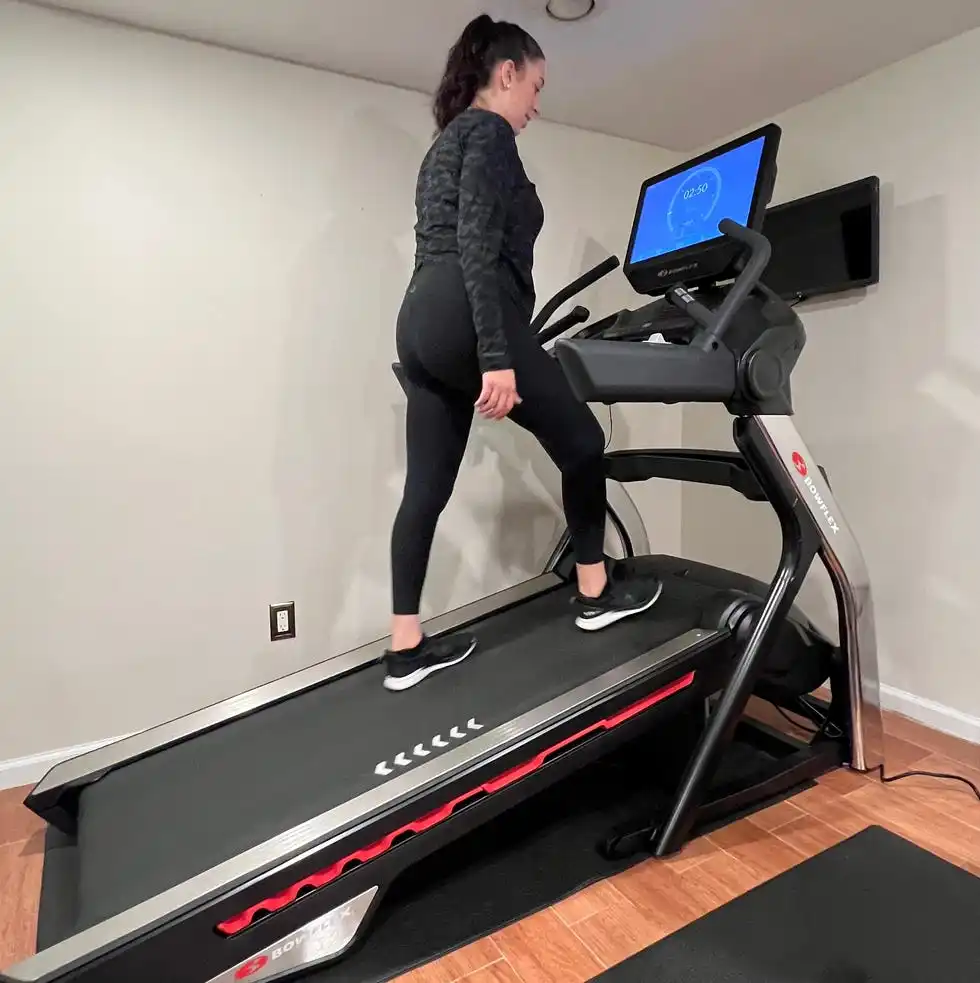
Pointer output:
x,y
578,938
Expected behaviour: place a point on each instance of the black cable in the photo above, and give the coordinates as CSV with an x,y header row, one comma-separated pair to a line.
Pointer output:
x,y
610,437
809,726
927,774
807,723
803,725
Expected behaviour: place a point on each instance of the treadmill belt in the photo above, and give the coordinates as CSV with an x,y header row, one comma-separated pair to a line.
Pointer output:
x,y
168,817
873,908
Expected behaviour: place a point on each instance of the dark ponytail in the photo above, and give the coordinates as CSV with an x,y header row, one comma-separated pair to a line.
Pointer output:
x,y
483,44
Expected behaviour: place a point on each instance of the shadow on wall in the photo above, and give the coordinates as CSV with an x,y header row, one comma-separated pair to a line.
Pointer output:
x,y
340,457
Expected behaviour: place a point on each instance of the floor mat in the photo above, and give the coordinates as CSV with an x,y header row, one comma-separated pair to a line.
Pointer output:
x,y
873,909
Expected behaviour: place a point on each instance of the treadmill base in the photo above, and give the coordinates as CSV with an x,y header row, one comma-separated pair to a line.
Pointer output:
x,y
548,844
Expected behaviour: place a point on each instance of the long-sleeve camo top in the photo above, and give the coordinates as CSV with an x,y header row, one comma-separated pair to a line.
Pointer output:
x,y
475,203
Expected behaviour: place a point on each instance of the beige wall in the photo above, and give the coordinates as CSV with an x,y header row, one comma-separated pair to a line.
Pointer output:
x,y
888,389
202,258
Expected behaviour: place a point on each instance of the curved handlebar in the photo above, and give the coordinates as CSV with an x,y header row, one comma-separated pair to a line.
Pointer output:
x,y
716,322
576,286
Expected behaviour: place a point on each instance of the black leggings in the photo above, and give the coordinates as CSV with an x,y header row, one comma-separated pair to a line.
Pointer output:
x,y
436,345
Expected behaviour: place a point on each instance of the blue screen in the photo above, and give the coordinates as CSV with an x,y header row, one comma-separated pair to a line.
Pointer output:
x,y
685,209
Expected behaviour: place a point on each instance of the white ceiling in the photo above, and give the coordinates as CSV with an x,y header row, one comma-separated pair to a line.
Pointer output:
x,y
677,73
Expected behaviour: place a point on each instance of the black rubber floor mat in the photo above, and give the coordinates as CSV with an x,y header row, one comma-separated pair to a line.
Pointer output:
x,y
873,909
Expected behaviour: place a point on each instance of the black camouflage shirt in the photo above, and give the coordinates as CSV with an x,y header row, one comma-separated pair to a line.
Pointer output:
x,y
475,202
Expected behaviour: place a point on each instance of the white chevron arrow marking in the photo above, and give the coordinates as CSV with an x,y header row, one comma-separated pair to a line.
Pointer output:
x,y
402,760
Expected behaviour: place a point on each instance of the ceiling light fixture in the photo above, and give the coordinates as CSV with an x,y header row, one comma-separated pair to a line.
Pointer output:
x,y
569,10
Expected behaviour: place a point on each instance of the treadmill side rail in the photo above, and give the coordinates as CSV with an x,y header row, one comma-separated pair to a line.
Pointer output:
x,y
291,848
47,797
844,561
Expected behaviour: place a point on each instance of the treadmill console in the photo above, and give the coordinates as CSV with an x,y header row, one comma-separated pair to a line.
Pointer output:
x,y
716,333
676,237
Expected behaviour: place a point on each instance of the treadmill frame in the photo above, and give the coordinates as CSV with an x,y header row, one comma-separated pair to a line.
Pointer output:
x,y
812,525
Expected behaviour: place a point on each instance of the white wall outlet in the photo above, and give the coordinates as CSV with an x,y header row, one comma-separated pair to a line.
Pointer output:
x,y
282,621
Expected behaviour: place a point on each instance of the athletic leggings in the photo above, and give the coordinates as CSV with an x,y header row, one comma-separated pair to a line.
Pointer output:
x,y
436,345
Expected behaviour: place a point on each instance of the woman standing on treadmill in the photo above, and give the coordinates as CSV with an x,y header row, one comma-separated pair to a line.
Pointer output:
x,y
464,340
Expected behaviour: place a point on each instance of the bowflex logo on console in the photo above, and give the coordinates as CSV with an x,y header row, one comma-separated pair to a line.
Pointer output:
x,y
817,498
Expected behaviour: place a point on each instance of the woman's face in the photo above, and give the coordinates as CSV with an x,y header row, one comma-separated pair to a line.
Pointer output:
x,y
520,92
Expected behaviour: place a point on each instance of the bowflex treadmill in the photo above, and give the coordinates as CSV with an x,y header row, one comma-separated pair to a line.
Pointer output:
x,y
253,839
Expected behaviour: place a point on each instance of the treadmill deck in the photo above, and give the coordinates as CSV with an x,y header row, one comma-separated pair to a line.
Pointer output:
x,y
165,818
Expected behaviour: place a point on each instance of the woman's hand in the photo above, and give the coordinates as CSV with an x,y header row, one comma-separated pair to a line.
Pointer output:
x,y
499,395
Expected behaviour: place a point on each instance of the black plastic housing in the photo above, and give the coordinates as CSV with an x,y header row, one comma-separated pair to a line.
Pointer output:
x,y
640,372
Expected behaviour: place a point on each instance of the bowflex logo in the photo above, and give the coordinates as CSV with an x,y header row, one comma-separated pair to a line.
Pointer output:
x,y
817,498
252,967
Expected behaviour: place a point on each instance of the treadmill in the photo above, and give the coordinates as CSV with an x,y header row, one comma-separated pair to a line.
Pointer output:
x,y
255,838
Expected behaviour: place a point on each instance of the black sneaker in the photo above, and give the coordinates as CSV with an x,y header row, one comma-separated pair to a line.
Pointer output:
x,y
409,667
620,599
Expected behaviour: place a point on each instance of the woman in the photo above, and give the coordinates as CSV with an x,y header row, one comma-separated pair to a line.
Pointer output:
x,y
464,340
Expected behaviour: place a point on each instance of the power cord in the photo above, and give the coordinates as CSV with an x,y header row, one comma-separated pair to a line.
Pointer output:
x,y
927,774
825,728
610,437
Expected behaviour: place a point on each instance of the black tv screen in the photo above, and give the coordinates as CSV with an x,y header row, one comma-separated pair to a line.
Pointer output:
x,y
825,243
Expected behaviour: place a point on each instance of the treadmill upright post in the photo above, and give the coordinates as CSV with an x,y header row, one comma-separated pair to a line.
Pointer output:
x,y
841,555
800,546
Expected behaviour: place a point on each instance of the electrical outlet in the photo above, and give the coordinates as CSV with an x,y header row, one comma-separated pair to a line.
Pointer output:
x,y
282,621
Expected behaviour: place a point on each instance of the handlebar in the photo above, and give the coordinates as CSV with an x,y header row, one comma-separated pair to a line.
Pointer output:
x,y
577,315
716,322
576,286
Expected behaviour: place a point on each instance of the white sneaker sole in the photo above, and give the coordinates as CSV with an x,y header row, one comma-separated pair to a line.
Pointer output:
x,y
398,683
599,621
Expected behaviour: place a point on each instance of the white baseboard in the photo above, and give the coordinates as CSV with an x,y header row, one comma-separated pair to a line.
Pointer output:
x,y
27,771
931,714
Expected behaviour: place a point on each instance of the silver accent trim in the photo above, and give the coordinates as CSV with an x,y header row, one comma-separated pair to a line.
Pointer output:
x,y
320,940
295,844
845,564
94,763
564,543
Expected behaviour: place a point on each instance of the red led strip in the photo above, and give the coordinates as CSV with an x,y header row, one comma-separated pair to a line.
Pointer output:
x,y
238,924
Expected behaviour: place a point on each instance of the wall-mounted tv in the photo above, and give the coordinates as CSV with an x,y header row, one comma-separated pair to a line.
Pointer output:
x,y
825,243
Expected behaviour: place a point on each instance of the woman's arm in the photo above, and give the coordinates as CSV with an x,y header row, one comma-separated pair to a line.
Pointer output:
x,y
490,169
